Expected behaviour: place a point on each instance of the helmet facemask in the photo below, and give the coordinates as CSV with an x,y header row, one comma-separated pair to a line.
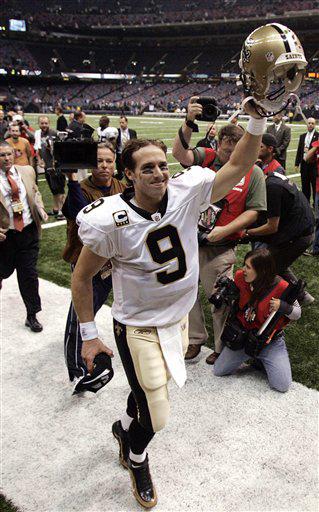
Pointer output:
x,y
271,72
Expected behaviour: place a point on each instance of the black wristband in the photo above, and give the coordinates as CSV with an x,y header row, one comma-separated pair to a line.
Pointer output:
x,y
191,124
182,139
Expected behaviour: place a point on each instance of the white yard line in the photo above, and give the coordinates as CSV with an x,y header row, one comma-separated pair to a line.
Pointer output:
x,y
54,224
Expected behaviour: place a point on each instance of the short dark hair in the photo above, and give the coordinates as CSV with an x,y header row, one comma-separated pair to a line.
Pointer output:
x,y
59,109
230,131
134,145
104,122
265,267
78,114
124,117
269,140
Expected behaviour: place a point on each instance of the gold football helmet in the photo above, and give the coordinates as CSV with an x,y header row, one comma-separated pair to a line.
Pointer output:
x,y
272,63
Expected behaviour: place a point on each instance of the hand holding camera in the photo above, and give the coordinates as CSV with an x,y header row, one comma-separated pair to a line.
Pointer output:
x,y
227,292
202,108
194,109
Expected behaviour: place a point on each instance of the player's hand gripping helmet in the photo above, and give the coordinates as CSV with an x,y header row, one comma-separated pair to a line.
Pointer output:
x,y
272,63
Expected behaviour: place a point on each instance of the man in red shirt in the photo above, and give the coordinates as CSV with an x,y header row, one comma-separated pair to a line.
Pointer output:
x,y
313,154
225,221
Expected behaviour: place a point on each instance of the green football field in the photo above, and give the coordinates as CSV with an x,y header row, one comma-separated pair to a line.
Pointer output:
x,y
302,337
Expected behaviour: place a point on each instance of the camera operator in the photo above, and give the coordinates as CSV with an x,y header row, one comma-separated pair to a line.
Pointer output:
x,y
100,184
288,229
210,140
260,290
44,138
224,221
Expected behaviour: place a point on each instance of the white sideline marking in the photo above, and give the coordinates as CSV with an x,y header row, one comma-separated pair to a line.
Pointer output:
x,y
54,224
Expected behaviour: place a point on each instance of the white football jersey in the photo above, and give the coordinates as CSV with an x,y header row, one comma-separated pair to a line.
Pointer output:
x,y
154,257
107,133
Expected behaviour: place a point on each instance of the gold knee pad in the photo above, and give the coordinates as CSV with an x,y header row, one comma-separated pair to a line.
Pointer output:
x,y
151,372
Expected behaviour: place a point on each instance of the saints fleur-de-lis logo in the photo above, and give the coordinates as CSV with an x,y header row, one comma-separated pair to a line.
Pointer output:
x,y
246,54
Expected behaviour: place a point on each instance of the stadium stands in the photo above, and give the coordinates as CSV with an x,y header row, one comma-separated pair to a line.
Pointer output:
x,y
82,15
68,38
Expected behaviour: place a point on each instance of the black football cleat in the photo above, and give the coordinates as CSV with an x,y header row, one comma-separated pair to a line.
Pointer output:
x,y
122,438
143,488
33,323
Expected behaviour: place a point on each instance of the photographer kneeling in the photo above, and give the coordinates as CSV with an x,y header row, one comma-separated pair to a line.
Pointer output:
x,y
80,194
258,296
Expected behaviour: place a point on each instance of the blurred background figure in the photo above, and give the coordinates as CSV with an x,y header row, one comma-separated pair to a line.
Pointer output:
x,y
124,134
282,133
308,170
210,139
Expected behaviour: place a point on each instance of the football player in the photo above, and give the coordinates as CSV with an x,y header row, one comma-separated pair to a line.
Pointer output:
x,y
149,233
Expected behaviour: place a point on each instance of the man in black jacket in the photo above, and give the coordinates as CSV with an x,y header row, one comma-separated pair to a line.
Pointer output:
x,y
282,132
61,122
308,170
124,135
210,139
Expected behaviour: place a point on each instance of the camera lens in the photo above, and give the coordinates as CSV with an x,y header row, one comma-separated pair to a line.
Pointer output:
x,y
217,300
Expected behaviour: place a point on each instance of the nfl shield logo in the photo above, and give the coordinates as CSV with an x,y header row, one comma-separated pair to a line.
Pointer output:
x,y
269,56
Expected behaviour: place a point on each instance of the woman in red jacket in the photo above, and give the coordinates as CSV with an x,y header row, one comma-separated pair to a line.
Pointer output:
x,y
259,295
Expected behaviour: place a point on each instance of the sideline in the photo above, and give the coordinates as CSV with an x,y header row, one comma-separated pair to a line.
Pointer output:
x,y
231,444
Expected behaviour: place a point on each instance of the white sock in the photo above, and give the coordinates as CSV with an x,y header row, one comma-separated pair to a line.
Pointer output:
x,y
138,458
126,420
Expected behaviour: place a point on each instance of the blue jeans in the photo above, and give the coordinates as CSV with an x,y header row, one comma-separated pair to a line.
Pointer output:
x,y
316,242
274,358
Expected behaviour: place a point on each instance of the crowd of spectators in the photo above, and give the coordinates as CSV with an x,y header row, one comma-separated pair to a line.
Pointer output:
x,y
16,55
136,97
82,15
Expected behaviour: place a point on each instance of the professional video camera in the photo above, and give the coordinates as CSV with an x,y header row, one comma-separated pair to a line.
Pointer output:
x,y
227,292
210,109
70,154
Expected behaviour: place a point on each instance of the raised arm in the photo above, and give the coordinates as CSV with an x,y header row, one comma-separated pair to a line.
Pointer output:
x,y
243,157
185,155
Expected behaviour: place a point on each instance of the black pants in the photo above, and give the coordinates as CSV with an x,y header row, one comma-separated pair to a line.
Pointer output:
x,y
286,254
308,180
72,336
56,181
140,431
20,252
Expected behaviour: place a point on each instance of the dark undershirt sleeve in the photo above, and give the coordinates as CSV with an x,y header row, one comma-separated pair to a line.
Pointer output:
x,y
274,200
75,200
